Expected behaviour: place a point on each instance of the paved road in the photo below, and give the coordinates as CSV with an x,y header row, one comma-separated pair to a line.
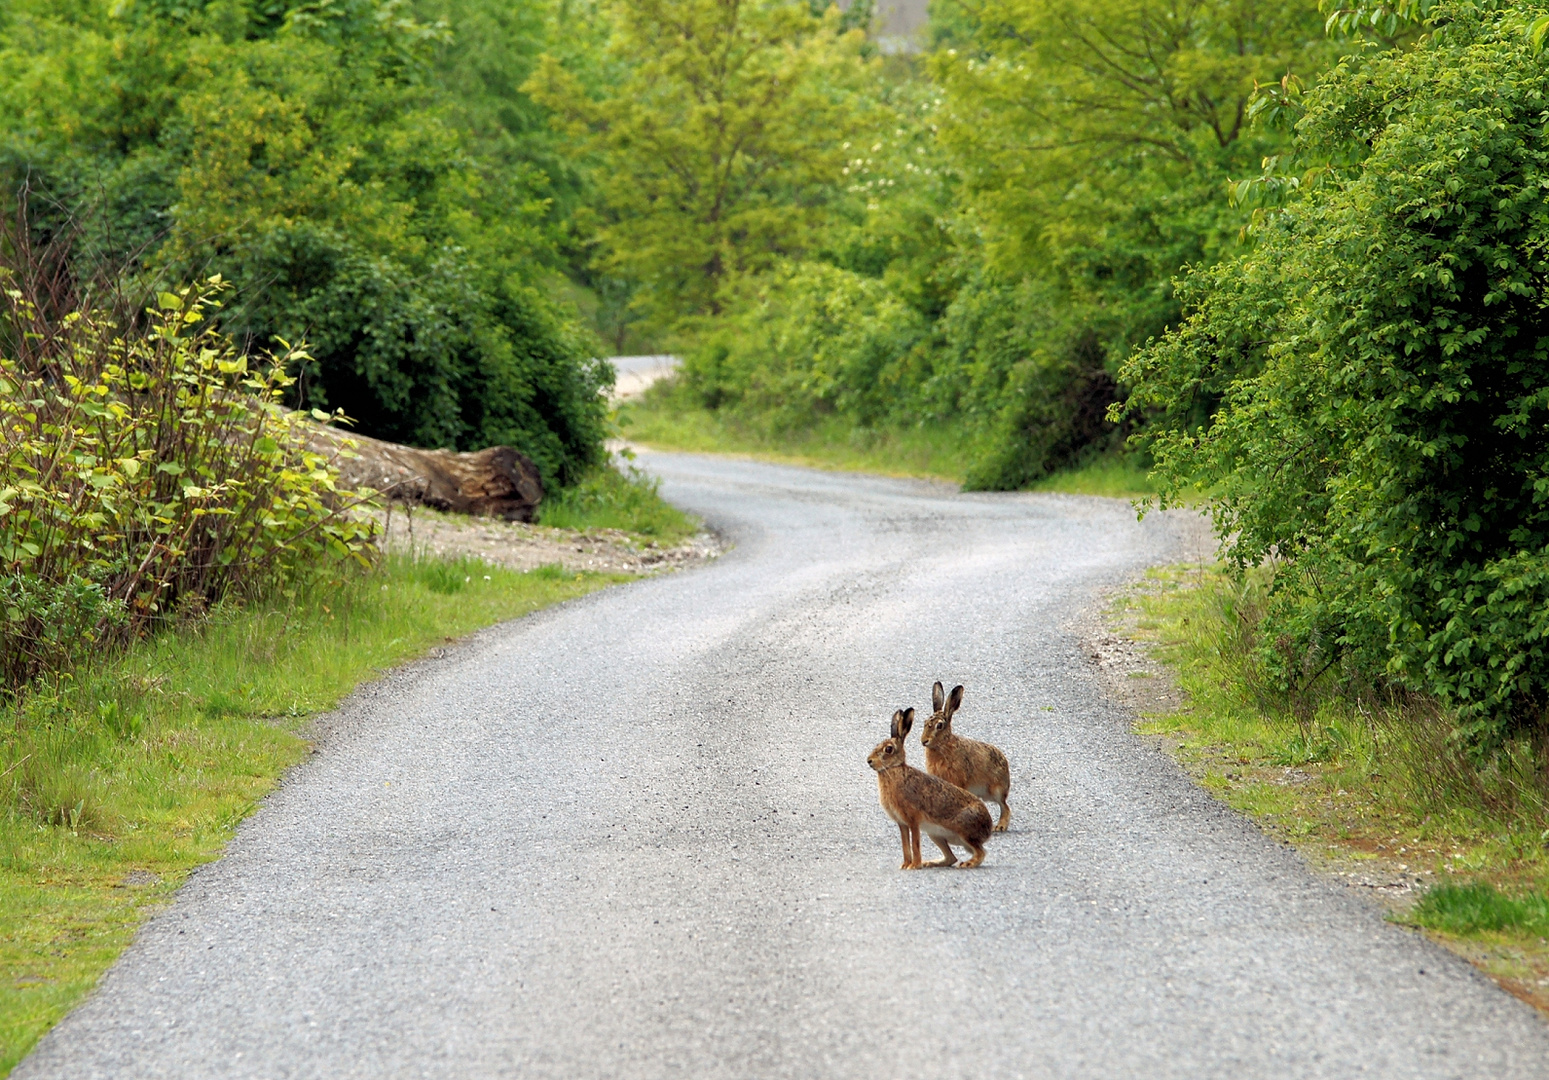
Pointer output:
x,y
636,373
636,837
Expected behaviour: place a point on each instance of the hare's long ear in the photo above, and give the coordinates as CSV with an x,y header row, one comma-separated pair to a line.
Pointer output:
x,y
955,702
905,722
898,719
938,697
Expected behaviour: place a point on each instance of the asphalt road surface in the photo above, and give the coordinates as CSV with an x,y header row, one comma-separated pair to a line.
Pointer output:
x,y
635,836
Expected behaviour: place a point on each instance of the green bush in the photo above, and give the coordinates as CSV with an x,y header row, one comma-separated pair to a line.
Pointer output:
x,y
1367,390
348,187
144,470
1026,382
1024,390
812,339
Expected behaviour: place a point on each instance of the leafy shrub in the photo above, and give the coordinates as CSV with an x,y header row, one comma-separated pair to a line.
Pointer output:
x,y
811,339
305,152
1024,380
144,470
1013,380
1367,391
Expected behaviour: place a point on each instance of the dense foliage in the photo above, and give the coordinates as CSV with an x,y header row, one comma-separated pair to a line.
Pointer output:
x,y
1001,228
1338,262
720,144
1366,392
144,471
368,181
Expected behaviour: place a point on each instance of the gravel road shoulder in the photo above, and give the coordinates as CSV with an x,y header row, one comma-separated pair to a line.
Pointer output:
x,y
519,546
1132,676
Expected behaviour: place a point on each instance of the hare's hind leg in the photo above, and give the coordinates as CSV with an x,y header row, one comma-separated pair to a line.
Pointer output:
x,y
948,859
978,856
1005,812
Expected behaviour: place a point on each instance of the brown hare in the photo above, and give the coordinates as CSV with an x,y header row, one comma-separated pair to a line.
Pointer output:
x,y
917,800
976,767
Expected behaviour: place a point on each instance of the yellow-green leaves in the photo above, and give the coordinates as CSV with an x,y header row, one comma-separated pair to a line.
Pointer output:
x,y
125,495
1366,394
1537,30
720,145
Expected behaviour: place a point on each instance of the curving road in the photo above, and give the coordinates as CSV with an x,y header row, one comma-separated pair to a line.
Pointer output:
x,y
635,837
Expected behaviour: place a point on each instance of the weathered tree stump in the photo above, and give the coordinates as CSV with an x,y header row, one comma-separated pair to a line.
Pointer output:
x,y
495,482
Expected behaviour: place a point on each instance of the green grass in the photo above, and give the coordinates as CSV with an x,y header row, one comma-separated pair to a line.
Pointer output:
x,y
936,453
611,499
117,781
1114,477
1480,908
1385,766
1365,783
931,453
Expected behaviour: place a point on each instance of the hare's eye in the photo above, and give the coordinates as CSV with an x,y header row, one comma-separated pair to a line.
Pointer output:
x,y
889,750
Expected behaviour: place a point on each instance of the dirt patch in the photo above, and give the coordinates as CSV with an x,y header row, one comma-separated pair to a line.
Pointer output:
x,y
523,547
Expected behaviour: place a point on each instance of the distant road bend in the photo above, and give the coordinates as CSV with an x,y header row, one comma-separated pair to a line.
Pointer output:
x,y
635,836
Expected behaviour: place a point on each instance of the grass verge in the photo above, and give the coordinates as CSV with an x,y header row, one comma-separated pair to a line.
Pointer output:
x,y
830,444
116,781
1369,787
619,498
1114,477
934,453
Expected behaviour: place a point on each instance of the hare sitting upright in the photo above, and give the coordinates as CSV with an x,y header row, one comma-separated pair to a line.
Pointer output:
x,y
917,800
973,766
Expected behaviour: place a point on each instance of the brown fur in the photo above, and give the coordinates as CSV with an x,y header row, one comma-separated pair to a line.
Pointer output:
x,y
915,800
976,767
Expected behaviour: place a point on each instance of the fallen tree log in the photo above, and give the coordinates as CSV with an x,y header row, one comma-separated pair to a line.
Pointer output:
x,y
494,482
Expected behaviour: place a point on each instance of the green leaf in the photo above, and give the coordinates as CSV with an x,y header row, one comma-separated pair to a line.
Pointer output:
x,y
169,301
1537,30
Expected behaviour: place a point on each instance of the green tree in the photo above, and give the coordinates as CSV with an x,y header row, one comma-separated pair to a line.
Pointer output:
x,y
1367,389
309,154
1095,136
719,145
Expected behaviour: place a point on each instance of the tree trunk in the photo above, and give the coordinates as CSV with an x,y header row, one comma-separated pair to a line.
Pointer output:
x,y
494,482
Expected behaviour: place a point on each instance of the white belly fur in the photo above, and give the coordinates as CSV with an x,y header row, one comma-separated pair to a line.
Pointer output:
x,y
937,832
